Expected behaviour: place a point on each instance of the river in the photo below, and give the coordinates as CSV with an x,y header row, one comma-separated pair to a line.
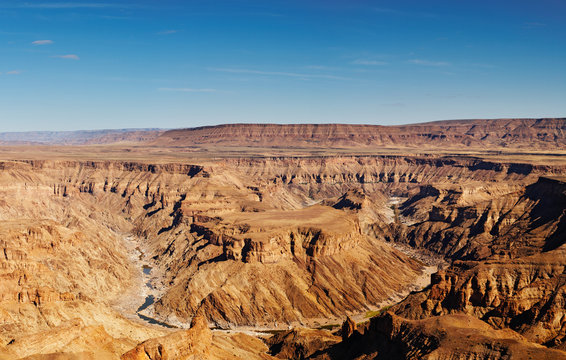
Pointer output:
x,y
142,293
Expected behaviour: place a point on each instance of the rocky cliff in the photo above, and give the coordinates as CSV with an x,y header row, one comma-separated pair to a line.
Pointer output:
x,y
510,257
439,338
269,242
507,133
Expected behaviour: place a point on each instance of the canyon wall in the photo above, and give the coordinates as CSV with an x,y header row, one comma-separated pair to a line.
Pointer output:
x,y
275,241
529,134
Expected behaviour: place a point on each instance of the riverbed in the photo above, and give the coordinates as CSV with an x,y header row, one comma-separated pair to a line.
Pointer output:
x,y
143,291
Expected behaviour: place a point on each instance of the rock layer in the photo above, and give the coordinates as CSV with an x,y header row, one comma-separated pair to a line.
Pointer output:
x,y
510,258
274,241
508,133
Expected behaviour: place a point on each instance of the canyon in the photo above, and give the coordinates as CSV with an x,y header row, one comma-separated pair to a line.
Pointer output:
x,y
441,240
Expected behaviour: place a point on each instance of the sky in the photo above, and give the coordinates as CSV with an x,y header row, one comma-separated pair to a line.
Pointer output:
x,y
69,65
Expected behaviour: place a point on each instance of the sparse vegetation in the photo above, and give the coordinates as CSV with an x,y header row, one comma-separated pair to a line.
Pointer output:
x,y
329,327
375,313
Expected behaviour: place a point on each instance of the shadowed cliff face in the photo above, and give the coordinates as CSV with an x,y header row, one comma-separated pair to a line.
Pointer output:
x,y
507,240
284,240
478,221
509,252
390,337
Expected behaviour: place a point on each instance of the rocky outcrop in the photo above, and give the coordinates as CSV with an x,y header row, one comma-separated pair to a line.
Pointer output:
x,y
445,337
526,295
293,238
348,328
300,343
476,222
194,344
513,258
70,340
295,275
300,265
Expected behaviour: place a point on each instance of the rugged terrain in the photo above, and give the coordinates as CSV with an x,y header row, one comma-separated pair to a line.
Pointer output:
x,y
531,134
233,237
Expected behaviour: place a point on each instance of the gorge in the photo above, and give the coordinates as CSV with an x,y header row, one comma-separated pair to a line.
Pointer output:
x,y
134,248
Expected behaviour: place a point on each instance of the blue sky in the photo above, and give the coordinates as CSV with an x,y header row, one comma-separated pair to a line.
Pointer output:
x,y
67,65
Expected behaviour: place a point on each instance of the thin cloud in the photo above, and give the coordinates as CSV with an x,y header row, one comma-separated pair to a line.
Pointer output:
x,y
368,62
66,5
534,25
13,72
395,104
187,90
68,57
113,17
320,67
482,66
387,11
280,73
264,14
404,13
428,62
42,42
167,32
